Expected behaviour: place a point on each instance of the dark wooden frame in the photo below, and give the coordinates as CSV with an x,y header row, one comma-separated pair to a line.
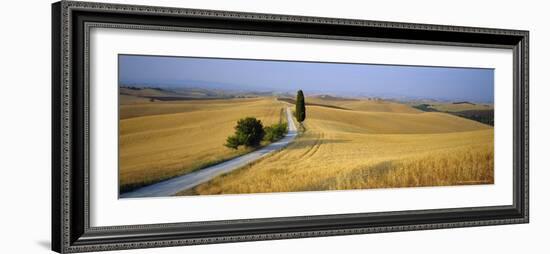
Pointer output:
x,y
71,22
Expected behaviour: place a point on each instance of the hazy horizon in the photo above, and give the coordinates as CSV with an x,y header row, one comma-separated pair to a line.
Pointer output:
x,y
342,79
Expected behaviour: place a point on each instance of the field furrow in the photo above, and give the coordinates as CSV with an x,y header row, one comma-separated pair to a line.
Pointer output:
x,y
353,150
163,145
370,144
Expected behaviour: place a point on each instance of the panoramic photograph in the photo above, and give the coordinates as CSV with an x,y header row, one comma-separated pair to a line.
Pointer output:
x,y
206,126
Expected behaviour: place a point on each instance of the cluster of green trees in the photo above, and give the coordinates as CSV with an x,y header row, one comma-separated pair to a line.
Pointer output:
x,y
250,132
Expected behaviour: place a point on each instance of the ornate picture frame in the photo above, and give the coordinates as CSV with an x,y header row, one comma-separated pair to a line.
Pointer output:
x,y
71,229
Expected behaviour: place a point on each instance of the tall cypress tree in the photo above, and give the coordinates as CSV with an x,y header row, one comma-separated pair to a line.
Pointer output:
x,y
300,107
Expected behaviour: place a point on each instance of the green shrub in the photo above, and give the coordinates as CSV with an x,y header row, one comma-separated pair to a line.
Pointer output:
x,y
275,132
249,132
232,142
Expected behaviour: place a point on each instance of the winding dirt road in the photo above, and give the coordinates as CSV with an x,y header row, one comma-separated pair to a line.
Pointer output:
x,y
181,183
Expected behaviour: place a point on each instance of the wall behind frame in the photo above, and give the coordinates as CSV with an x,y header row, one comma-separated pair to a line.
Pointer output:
x,y
25,125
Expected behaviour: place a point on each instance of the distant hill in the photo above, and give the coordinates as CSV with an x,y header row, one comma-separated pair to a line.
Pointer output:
x,y
483,113
293,101
464,102
367,104
132,94
192,93
332,98
144,91
460,106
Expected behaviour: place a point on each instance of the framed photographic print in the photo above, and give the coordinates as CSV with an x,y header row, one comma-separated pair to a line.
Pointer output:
x,y
181,126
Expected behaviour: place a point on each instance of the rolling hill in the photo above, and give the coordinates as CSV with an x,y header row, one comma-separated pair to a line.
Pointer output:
x,y
372,105
344,149
349,143
160,140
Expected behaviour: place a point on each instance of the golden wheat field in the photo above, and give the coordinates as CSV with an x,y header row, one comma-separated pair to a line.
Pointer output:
x,y
366,105
362,148
369,144
159,140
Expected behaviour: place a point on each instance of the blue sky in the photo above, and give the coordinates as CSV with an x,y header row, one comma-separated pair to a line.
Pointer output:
x,y
390,81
